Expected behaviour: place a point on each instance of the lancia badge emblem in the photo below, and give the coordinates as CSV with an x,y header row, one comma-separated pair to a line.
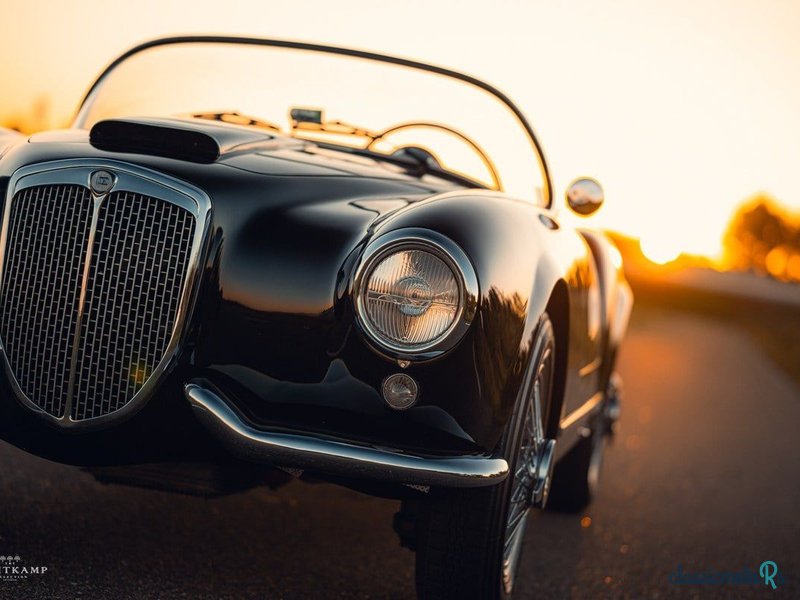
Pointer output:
x,y
101,181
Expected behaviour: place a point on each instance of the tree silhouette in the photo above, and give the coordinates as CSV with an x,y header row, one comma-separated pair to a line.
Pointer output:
x,y
764,238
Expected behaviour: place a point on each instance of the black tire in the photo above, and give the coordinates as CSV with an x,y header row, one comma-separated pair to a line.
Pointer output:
x,y
574,483
461,533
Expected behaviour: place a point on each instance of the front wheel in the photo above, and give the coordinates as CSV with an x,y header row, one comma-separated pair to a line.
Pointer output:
x,y
469,541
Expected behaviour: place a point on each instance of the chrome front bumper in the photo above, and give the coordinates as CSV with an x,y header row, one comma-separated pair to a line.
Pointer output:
x,y
337,458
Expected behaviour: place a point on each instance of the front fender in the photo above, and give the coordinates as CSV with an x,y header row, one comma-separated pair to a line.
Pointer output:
x,y
519,255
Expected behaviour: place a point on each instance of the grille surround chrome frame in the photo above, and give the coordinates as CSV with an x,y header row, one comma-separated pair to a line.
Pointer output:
x,y
127,178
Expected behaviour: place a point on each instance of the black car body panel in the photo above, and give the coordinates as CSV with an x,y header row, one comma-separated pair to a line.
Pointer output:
x,y
273,328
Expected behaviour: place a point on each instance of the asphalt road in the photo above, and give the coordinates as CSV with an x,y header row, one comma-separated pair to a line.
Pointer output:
x,y
705,473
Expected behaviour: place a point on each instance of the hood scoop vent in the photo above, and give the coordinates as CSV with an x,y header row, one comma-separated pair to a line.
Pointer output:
x,y
182,139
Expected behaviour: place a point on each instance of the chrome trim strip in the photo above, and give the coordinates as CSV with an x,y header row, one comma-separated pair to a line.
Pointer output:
x,y
349,460
591,367
87,266
128,178
573,425
582,412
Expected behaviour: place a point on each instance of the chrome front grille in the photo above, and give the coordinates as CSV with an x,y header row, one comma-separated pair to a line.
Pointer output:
x,y
137,267
46,249
94,287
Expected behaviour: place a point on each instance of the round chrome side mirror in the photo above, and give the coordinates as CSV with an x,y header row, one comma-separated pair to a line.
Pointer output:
x,y
585,196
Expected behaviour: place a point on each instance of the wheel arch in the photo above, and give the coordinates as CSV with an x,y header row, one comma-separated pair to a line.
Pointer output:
x,y
558,311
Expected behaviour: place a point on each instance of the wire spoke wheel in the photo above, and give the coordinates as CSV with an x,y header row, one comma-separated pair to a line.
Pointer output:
x,y
533,463
469,542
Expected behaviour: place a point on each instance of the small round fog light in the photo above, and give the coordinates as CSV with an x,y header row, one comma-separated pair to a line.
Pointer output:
x,y
400,391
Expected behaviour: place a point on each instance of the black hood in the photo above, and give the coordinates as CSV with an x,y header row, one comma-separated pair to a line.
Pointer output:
x,y
286,214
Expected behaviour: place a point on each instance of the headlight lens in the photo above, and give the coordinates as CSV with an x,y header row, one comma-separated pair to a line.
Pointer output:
x,y
411,299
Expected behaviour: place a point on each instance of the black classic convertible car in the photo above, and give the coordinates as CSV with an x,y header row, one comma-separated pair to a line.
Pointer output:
x,y
254,260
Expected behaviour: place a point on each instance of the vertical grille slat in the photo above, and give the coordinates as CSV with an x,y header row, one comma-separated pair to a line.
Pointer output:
x,y
43,272
128,320
137,269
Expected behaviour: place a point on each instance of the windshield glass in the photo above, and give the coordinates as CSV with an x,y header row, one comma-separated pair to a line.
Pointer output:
x,y
332,98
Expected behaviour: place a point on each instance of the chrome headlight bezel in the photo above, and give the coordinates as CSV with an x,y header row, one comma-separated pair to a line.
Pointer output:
x,y
442,248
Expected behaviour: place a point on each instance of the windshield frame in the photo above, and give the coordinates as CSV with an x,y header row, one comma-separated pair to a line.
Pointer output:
x,y
86,102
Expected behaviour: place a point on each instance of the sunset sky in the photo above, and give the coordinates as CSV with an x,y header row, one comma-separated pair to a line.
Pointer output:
x,y
682,109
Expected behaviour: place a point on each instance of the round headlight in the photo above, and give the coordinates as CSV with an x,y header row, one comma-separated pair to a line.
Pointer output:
x,y
411,297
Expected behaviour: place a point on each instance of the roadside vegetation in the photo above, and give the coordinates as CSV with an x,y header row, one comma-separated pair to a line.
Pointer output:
x,y
764,238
